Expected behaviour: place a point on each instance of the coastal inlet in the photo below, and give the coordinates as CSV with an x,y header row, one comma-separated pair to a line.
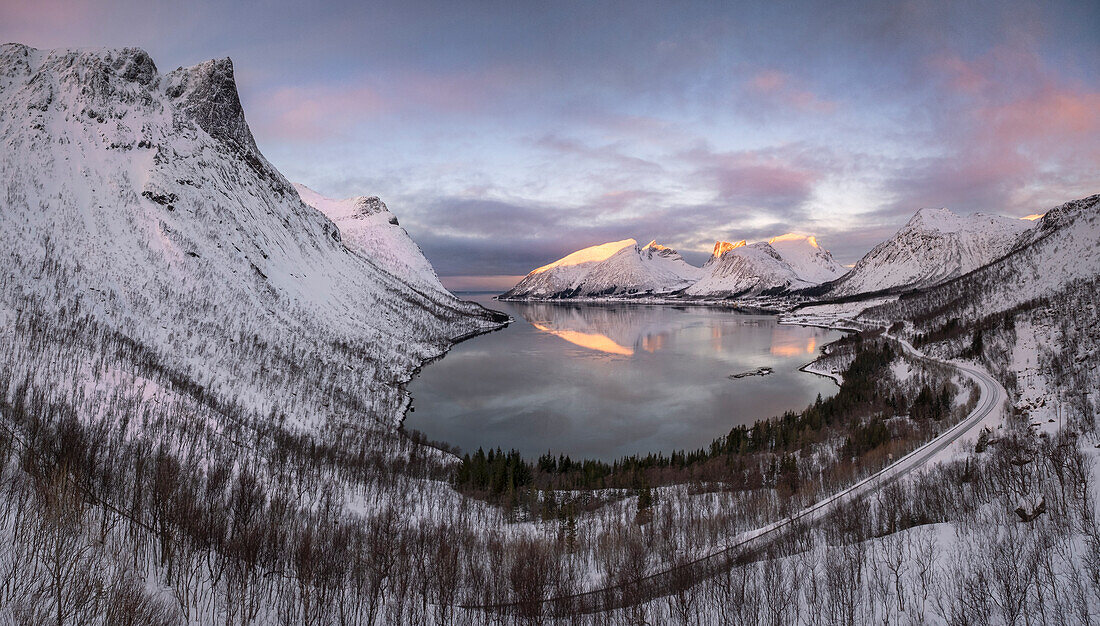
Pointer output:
x,y
603,381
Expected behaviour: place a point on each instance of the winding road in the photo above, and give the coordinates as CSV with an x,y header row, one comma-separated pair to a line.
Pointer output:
x,y
750,545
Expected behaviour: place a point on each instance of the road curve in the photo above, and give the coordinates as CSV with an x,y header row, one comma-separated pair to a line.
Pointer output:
x,y
750,545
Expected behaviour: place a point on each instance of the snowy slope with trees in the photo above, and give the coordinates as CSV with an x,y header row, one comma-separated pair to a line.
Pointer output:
x,y
164,288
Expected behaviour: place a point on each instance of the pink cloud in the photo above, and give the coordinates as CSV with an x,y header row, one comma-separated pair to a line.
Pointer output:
x,y
300,113
768,81
319,111
774,178
1011,98
1010,127
778,88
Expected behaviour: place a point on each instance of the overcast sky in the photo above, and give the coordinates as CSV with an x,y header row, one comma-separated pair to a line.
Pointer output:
x,y
507,134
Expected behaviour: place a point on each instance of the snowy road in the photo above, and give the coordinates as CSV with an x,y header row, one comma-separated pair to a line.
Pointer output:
x,y
749,545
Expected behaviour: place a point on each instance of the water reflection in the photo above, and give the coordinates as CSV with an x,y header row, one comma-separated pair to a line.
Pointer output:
x,y
614,329
603,381
789,342
592,341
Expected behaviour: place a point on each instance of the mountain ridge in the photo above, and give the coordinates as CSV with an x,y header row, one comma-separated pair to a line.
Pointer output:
x,y
734,269
934,246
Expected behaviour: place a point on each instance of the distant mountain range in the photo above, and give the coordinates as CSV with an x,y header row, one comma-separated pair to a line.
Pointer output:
x,y
933,247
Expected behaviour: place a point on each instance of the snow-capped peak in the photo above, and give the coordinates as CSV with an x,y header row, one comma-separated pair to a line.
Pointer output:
x,y
591,254
722,247
934,245
809,240
368,227
810,261
616,268
168,228
741,270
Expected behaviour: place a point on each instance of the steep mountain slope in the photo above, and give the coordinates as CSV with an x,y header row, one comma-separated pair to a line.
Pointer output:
x,y
738,269
141,201
934,246
810,262
367,225
1062,249
188,346
611,269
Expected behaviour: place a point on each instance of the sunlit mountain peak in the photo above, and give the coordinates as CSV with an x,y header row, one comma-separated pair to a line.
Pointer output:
x,y
592,254
722,247
809,239
1033,217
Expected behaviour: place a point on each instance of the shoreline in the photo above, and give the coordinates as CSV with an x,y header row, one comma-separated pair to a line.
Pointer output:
x,y
402,385
407,398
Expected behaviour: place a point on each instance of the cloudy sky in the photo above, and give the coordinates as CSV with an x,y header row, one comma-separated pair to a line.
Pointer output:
x,y
507,134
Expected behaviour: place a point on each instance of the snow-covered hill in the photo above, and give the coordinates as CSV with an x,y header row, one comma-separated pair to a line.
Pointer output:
x,y
1062,248
140,201
810,262
368,226
934,246
737,269
611,269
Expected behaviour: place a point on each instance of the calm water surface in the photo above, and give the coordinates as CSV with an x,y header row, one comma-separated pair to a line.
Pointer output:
x,y
603,381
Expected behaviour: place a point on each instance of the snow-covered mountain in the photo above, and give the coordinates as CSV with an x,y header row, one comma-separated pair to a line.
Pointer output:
x,y
1062,248
611,269
367,225
934,246
810,262
141,201
786,262
737,269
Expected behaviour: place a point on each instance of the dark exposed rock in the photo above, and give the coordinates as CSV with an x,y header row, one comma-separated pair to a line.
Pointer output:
x,y
161,198
365,206
207,95
1028,513
135,65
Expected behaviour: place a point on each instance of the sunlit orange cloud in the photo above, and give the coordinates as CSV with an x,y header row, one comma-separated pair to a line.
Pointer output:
x,y
591,341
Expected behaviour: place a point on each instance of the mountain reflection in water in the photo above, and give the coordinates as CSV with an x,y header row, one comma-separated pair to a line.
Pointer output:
x,y
601,381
